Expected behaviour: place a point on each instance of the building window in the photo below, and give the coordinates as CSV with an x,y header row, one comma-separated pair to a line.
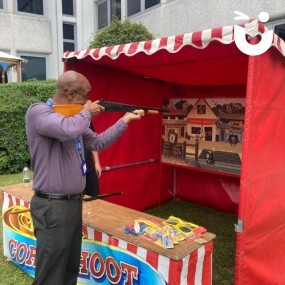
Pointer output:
x,y
137,6
34,68
68,37
107,10
280,31
134,7
278,27
68,7
31,6
201,109
1,4
151,3
195,130
102,15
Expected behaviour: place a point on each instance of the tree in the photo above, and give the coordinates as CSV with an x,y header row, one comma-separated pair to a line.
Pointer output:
x,y
120,32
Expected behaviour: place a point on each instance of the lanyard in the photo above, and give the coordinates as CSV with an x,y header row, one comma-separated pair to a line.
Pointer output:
x,y
78,147
49,102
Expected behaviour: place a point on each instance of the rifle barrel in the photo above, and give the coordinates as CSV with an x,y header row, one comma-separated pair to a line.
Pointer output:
x,y
119,107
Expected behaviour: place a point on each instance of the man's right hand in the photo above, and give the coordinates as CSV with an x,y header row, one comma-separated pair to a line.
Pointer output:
x,y
131,116
93,107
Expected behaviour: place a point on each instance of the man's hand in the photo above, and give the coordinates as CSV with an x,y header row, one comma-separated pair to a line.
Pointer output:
x,y
135,115
93,107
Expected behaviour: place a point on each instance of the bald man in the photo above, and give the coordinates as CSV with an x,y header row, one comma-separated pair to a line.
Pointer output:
x,y
57,160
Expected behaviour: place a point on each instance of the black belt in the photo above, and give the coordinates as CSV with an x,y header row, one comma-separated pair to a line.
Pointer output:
x,y
58,196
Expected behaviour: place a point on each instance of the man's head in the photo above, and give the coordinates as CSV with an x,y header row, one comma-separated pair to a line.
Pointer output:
x,y
72,88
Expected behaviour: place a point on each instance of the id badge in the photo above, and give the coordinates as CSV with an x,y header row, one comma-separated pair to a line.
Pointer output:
x,y
83,167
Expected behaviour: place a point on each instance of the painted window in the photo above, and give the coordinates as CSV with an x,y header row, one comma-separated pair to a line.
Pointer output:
x,y
196,130
201,109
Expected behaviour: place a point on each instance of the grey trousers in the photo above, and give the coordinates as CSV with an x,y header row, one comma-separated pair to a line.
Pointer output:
x,y
58,229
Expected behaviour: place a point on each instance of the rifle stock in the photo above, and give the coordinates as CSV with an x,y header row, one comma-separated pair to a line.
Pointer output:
x,y
119,107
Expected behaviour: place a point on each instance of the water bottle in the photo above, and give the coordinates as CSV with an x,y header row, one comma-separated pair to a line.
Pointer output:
x,y
26,176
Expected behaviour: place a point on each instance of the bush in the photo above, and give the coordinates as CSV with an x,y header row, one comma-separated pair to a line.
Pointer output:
x,y
120,32
15,98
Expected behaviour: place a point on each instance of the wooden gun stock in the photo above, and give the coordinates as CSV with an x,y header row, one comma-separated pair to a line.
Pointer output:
x,y
119,107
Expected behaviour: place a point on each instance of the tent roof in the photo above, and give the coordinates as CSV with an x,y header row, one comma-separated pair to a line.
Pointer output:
x,y
6,57
208,57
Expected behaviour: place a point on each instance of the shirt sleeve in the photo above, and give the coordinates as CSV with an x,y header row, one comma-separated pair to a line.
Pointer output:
x,y
99,142
48,123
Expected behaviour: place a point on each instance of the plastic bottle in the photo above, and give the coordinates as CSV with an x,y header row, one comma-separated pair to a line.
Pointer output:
x,y
26,176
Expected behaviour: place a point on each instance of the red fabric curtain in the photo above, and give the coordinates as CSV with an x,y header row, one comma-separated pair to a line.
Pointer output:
x,y
136,155
260,246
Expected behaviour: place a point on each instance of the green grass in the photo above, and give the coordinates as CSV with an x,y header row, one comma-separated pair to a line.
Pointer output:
x,y
9,179
219,223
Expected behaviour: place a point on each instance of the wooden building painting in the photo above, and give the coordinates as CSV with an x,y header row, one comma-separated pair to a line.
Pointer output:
x,y
202,121
197,126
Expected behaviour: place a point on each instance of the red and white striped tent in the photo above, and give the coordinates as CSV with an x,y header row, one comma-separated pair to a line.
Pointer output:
x,y
203,64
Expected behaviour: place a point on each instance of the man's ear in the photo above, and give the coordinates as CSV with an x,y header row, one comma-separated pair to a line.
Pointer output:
x,y
69,94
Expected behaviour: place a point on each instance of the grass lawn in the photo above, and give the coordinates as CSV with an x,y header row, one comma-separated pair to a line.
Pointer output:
x,y
219,223
9,179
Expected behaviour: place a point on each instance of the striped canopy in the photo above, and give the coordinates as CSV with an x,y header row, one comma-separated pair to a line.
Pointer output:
x,y
178,58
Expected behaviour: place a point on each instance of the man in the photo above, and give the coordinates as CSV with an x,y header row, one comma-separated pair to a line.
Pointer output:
x,y
57,159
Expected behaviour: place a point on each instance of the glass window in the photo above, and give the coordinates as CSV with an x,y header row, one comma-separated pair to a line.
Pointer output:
x,y
102,15
1,4
280,31
107,11
31,6
68,31
67,7
115,9
150,3
68,37
134,6
68,46
34,68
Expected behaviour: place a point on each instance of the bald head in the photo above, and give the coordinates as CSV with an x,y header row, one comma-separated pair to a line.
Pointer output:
x,y
71,80
68,84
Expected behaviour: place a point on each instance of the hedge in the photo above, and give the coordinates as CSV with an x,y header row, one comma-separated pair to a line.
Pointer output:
x,y
120,32
15,98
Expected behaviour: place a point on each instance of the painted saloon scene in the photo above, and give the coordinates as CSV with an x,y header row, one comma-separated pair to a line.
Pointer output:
x,y
204,133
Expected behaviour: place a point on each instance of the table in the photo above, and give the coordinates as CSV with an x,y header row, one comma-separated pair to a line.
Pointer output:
x,y
109,255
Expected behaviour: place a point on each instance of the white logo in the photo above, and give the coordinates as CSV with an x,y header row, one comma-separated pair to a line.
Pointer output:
x,y
240,36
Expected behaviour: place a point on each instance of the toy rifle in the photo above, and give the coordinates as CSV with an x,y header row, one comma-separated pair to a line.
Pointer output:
x,y
101,196
68,110
119,107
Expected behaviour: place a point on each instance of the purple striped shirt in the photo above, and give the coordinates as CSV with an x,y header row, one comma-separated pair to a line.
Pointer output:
x,y
56,162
